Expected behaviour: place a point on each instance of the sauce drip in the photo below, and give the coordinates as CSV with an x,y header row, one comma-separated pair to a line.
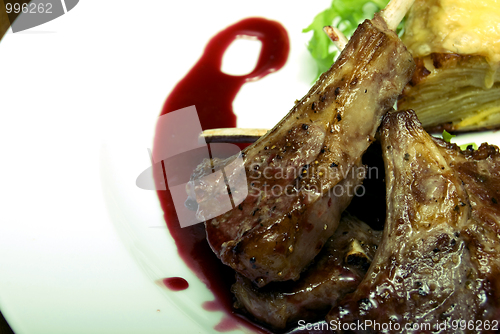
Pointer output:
x,y
213,92
175,283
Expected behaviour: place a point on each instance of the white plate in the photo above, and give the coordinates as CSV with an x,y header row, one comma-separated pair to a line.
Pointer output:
x,y
80,245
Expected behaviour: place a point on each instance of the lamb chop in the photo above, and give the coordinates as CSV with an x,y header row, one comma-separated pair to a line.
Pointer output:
x,y
336,271
303,173
439,256
480,172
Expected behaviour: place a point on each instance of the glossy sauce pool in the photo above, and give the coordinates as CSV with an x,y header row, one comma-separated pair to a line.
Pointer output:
x,y
213,92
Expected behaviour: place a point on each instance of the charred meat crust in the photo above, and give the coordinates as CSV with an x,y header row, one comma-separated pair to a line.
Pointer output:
x,y
318,142
480,172
433,265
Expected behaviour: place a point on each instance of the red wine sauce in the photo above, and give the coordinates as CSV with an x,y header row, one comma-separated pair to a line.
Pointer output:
x,y
175,283
213,92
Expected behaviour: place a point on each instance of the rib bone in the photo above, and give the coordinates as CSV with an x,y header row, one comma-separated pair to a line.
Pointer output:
x,y
336,36
395,11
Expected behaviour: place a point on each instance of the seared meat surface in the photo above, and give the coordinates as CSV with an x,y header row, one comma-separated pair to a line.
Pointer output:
x,y
480,172
304,172
438,259
336,271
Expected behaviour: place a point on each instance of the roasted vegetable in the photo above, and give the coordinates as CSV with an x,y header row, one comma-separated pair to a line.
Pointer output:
x,y
456,86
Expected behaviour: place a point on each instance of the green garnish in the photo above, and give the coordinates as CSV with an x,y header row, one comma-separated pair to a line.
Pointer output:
x,y
466,146
344,15
448,136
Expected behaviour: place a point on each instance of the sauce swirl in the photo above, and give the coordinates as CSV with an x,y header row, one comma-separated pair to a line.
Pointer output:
x,y
213,92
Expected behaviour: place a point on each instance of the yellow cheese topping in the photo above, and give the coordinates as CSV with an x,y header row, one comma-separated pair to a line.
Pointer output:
x,y
466,27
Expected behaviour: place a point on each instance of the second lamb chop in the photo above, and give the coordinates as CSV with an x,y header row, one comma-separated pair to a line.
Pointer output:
x,y
438,263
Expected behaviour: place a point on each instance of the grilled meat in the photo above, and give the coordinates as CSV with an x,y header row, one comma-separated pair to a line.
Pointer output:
x,y
303,173
336,271
480,172
439,254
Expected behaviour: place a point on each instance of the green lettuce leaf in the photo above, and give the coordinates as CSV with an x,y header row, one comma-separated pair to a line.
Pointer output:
x,y
448,136
466,146
345,15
